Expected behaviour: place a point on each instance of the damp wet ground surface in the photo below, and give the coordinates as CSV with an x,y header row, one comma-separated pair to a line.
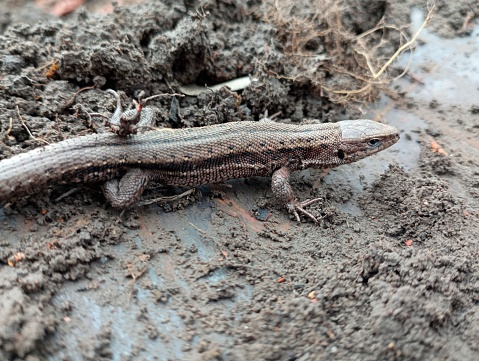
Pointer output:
x,y
389,273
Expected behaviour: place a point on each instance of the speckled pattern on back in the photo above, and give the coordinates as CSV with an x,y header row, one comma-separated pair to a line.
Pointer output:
x,y
187,157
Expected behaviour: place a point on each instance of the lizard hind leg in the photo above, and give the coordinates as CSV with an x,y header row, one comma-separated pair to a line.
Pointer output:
x,y
122,193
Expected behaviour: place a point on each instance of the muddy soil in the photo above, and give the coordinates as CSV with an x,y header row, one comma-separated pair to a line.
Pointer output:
x,y
390,273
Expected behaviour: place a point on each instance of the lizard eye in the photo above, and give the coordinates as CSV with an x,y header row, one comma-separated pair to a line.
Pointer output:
x,y
374,143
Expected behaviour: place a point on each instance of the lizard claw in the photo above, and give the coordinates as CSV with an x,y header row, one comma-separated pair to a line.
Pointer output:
x,y
297,207
136,118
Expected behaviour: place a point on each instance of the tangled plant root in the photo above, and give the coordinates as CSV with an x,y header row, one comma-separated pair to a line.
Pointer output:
x,y
318,48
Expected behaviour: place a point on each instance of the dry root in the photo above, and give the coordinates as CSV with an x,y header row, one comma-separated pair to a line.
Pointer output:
x,y
338,63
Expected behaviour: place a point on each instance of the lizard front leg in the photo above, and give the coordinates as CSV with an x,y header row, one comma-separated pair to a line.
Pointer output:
x,y
283,191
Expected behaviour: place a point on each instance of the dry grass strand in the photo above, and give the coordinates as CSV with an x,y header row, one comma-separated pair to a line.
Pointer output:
x,y
318,47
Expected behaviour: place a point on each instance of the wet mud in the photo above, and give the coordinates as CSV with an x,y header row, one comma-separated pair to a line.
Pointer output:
x,y
389,273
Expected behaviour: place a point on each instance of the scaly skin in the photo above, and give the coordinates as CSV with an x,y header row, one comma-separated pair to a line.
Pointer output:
x,y
194,156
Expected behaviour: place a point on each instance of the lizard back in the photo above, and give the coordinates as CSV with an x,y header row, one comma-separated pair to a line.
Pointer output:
x,y
181,157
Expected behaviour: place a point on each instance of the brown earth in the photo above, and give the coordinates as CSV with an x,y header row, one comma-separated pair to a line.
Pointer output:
x,y
391,271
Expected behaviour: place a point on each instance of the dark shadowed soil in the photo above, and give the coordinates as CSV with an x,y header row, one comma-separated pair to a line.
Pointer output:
x,y
390,273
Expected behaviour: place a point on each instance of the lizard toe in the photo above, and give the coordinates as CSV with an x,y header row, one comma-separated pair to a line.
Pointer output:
x,y
297,207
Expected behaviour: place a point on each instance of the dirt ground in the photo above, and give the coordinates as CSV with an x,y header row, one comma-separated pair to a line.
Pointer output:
x,y
391,271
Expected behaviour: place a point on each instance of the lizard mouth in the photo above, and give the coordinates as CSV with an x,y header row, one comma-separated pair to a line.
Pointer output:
x,y
390,140
375,136
375,145
365,137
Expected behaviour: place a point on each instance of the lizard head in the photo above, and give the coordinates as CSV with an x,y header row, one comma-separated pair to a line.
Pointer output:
x,y
364,137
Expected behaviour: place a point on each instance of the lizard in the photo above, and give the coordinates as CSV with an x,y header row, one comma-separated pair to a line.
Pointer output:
x,y
191,157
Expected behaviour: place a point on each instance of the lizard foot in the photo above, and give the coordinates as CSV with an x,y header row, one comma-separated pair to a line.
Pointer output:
x,y
136,118
297,207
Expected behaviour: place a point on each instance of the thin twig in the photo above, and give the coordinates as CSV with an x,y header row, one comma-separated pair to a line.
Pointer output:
x,y
28,130
10,126
161,95
70,101
388,63
408,44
